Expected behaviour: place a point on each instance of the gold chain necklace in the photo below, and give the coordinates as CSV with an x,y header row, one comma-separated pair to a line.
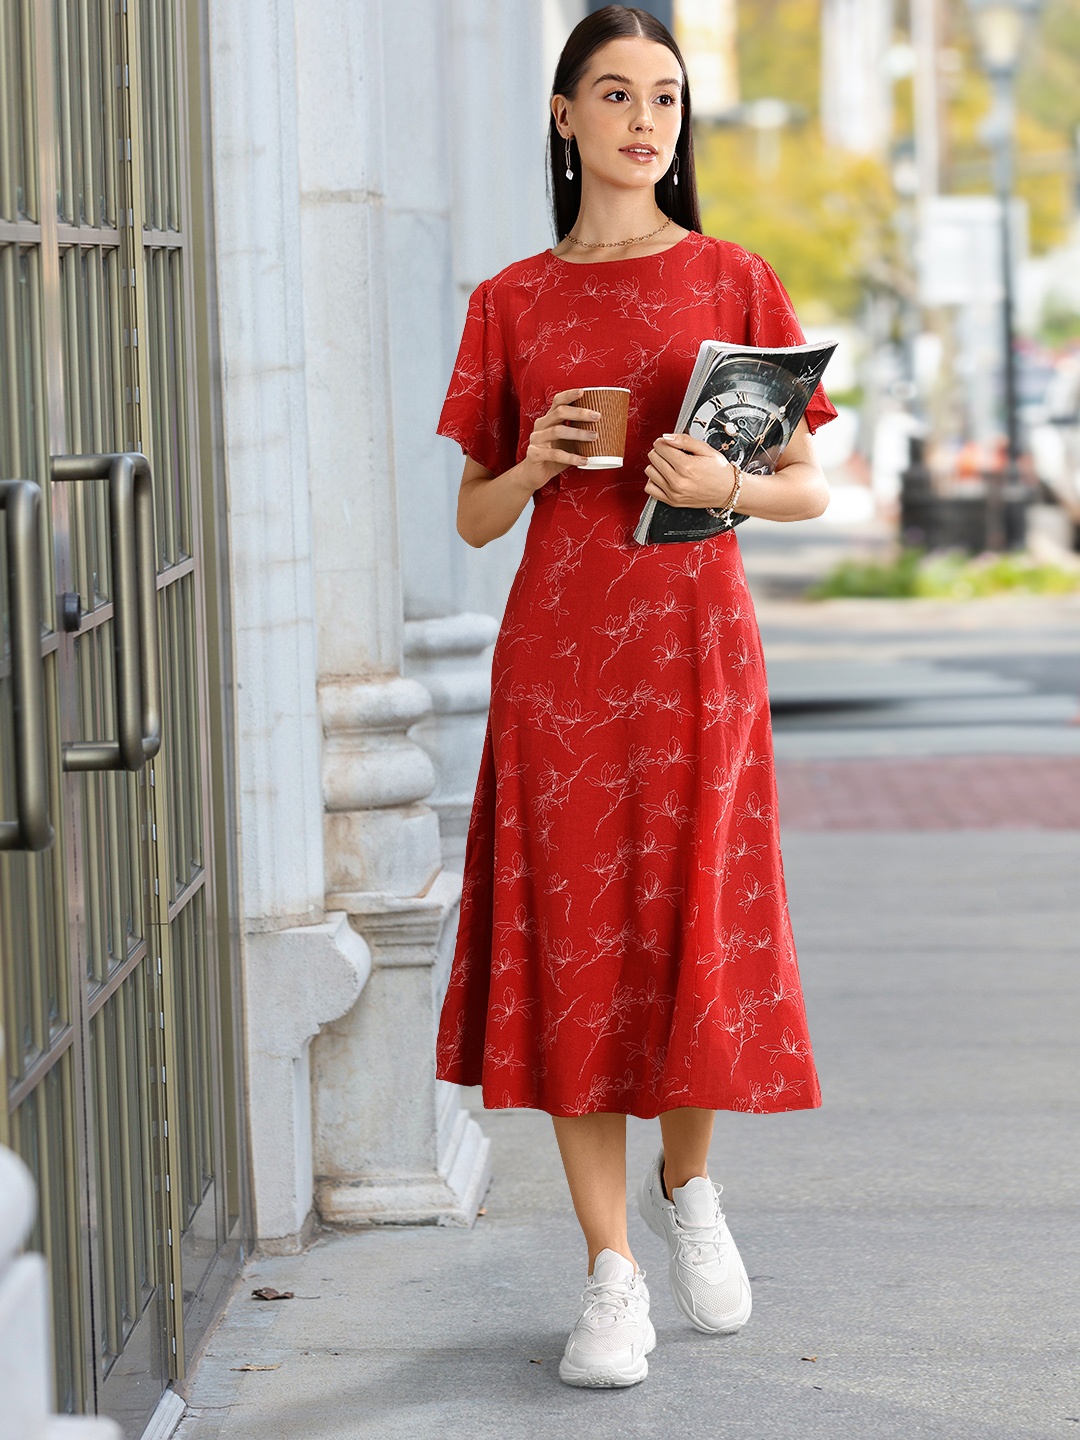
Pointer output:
x,y
612,244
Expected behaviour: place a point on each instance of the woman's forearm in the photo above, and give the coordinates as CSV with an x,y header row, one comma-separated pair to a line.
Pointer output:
x,y
489,507
797,491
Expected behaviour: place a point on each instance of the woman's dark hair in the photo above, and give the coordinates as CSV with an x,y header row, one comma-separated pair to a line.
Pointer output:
x,y
614,22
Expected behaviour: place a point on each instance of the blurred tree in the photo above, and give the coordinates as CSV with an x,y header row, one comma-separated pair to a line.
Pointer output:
x,y
1048,112
1050,85
822,217
828,221
779,50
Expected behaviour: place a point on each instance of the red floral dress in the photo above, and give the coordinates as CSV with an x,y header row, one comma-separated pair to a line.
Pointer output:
x,y
624,942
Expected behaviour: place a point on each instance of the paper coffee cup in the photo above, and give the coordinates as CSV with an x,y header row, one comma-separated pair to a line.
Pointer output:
x,y
606,451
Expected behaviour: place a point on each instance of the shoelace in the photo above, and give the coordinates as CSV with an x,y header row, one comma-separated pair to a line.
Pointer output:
x,y
697,1241
609,1299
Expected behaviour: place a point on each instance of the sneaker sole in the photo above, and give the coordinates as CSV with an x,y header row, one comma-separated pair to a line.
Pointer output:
x,y
606,1377
727,1324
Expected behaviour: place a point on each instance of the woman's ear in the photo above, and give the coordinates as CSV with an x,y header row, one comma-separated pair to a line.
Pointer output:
x,y
562,120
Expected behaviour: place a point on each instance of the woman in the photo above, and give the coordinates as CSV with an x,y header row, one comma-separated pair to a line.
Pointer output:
x,y
624,944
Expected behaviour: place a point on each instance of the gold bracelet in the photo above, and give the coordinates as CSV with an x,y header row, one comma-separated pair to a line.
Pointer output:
x,y
724,512
733,499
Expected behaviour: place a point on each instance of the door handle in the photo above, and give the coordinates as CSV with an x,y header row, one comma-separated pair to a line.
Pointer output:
x,y
31,830
135,635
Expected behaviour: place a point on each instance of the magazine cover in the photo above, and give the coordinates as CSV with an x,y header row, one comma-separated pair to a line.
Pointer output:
x,y
744,401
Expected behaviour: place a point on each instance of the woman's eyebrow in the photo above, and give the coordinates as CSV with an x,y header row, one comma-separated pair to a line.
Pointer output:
x,y
625,80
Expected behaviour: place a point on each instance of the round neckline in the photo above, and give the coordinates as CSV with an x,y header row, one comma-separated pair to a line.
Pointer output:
x,y
624,259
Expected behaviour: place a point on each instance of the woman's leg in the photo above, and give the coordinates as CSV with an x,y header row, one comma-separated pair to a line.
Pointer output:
x,y
686,1135
593,1150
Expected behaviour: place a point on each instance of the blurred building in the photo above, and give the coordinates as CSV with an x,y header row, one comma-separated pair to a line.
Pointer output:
x,y
707,34
856,87
238,238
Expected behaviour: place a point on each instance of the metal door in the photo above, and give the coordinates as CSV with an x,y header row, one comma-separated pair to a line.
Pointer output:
x,y
112,977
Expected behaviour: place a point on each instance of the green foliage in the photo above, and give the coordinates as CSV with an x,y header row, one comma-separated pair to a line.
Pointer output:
x,y
821,217
829,222
1059,325
779,51
1049,88
1048,96
949,575
852,399
957,577
871,579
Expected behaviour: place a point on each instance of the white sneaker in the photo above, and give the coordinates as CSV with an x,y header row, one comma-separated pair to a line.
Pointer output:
x,y
613,1333
708,1278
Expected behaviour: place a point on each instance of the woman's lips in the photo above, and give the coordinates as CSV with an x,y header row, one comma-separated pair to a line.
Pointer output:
x,y
643,157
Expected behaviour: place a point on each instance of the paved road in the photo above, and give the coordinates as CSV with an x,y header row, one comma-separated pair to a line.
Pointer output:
x,y
913,1245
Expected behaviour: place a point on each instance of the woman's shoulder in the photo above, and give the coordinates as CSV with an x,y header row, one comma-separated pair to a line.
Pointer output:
x,y
733,259
517,275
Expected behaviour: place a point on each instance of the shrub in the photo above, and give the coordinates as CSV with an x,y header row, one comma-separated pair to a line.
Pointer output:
x,y
945,575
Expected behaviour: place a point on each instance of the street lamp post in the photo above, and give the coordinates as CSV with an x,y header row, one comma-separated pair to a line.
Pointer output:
x,y
1000,29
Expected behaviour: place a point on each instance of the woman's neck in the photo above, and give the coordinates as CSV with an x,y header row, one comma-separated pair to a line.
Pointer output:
x,y
619,233
612,219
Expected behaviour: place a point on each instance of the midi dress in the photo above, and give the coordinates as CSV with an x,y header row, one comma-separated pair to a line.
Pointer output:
x,y
624,943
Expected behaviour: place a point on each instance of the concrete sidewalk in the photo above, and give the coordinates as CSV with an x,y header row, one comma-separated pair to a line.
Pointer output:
x,y
913,1246
917,1237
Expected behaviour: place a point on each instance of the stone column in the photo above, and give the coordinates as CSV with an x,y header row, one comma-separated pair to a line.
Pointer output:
x,y
451,657
379,1150
301,966
464,197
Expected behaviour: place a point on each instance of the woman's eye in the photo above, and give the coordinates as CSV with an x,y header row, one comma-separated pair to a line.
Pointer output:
x,y
669,100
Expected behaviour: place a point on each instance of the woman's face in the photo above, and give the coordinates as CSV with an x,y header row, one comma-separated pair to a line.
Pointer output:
x,y
627,113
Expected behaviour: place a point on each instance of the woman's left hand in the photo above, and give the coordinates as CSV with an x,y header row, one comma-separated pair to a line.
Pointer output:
x,y
685,471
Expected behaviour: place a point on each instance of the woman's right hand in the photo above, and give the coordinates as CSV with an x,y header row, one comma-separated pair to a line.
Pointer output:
x,y
544,456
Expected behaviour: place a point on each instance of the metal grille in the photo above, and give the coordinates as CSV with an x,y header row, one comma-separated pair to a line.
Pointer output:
x,y
111,982
18,170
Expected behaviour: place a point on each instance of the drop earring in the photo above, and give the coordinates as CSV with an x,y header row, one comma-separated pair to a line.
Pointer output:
x,y
675,176
569,172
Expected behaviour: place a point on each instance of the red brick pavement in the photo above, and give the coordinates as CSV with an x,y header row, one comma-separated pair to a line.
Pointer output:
x,y
960,792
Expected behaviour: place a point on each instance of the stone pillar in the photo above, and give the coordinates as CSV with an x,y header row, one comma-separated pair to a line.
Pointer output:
x,y
464,196
379,1153
302,977
451,658
402,1150
298,962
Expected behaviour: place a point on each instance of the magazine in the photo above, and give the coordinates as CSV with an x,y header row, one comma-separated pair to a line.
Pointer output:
x,y
745,401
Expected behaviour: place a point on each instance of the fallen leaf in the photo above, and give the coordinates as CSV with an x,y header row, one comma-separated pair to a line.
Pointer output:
x,y
256,1367
482,1210
536,1362
808,1357
267,1292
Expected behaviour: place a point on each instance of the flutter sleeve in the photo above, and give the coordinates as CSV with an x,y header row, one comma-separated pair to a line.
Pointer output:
x,y
481,408
772,321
